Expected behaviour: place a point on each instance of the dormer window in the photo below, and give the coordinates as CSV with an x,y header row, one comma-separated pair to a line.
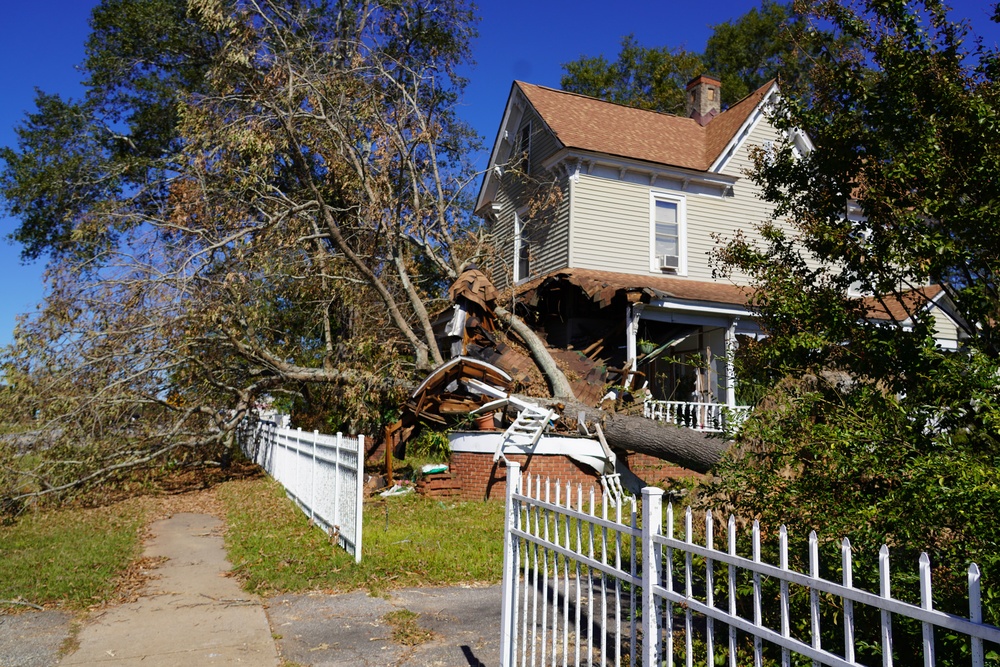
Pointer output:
x,y
668,234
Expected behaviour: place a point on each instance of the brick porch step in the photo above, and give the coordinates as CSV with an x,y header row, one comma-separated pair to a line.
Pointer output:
x,y
439,485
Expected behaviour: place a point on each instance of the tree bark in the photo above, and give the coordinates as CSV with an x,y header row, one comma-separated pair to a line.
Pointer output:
x,y
558,383
686,447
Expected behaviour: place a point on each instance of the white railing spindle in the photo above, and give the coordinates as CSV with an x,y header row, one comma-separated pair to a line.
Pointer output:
x,y
709,591
786,631
813,593
848,570
731,537
883,586
976,614
758,647
927,603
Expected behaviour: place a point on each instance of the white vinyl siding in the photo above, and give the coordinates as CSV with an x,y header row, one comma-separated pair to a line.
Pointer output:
x,y
612,218
945,328
612,228
755,209
520,155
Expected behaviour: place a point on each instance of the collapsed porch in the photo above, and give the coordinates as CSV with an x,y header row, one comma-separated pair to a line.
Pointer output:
x,y
668,342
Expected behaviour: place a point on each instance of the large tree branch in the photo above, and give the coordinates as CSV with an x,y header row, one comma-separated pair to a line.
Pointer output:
x,y
558,383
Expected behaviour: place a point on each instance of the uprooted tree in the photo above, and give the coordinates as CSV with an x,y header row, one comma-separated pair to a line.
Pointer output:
x,y
253,199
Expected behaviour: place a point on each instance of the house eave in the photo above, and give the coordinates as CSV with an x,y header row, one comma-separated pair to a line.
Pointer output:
x,y
574,160
743,133
700,307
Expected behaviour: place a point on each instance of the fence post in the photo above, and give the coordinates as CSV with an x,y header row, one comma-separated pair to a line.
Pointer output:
x,y
652,520
359,498
510,570
312,478
296,483
337,472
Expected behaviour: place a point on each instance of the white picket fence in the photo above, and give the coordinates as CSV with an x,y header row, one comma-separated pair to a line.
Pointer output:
x,y
323,474
709,417
581,587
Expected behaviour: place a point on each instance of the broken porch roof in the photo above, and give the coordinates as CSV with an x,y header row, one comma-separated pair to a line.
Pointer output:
x,y
602,286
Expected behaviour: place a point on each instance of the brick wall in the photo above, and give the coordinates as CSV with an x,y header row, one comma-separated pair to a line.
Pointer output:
x,y
480,478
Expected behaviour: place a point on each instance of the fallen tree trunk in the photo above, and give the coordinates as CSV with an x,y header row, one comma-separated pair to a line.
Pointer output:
x,y
694,450
686,447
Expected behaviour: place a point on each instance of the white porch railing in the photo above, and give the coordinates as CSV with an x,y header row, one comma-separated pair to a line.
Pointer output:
x,y
587,589
710,417
323,474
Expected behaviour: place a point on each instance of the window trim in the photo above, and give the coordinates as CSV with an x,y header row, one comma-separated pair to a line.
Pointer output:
x,y
520,241
521,145
681,202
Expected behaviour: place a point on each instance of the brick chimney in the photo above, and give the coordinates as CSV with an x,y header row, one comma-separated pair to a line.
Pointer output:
x,y
704,98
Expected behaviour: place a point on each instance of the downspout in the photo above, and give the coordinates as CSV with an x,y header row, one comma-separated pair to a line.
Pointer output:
x,y
632,314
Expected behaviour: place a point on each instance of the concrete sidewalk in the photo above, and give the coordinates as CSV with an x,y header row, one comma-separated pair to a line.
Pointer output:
x,y
191,614
350,630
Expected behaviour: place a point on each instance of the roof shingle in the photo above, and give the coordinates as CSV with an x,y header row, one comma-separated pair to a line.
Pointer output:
x,y
590,124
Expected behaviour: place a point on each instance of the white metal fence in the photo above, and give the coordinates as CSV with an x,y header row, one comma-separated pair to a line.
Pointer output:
x,y
323,474
710,417
583,588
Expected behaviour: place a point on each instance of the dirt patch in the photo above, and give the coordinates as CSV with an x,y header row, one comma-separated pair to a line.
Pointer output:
x,y
405,629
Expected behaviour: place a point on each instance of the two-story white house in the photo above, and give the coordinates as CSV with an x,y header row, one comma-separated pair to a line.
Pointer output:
x,y
604,218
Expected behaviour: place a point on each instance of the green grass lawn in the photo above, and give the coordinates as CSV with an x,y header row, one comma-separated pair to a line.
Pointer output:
x,y
74,557
69,558
407,541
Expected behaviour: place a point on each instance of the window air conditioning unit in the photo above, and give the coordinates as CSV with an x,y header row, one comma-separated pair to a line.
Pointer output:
x,y
667,262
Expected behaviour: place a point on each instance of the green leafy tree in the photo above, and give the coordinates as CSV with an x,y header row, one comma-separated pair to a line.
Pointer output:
x,y
642,77
770,42
76,156
871,430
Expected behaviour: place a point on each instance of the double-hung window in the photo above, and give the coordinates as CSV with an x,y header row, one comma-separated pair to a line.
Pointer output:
x,y
668,234
522,249
520,154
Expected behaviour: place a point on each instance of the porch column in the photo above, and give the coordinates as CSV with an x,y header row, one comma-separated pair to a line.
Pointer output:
x,y
730,365
632,314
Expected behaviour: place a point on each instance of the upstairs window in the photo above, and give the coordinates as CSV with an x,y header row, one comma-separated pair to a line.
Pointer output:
x,y
521,151
668,234
522,250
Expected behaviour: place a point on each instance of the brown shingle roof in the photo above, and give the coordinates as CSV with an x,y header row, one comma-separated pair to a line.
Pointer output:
x,y
594,125
899,309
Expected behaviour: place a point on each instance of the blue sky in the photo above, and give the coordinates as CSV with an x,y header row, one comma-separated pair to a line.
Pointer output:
x,y
41,42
